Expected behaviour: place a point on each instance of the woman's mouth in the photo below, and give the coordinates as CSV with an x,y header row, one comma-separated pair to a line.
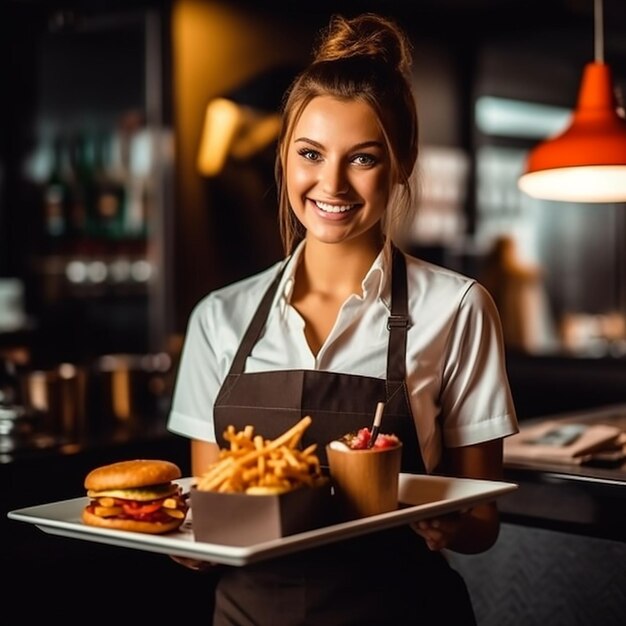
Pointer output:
x,y
333,208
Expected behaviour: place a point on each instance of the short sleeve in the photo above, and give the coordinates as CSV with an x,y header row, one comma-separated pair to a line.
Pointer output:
x,y
198,379
475,397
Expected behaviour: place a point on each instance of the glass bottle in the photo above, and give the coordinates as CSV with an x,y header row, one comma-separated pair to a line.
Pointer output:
x,y
110,194
82,183
56,198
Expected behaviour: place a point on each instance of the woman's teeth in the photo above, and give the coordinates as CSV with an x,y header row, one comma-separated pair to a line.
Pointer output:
x,y
333,208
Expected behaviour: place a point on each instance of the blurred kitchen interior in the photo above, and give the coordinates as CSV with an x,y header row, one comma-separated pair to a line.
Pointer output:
x,y
118,212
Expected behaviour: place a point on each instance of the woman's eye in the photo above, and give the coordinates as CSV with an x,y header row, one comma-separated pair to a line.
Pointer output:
x,y
364,159
309,154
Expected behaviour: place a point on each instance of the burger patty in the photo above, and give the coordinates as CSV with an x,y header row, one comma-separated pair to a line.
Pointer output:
x,y
159,510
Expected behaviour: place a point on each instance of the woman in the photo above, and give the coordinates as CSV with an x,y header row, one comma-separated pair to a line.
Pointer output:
x,y
345,321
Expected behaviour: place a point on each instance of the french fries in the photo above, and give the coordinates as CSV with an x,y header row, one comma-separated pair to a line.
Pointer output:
x,y
259,466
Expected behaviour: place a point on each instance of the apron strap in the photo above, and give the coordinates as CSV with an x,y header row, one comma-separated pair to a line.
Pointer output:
x,y
397,322
256,325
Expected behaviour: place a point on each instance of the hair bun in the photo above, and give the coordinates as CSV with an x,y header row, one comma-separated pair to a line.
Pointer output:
x,y
368,35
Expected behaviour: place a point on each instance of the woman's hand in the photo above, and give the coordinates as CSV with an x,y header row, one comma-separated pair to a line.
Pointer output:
x,y
193,564
440,532
474,530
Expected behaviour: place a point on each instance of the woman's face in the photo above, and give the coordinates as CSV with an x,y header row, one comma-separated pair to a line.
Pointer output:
x,y
337,172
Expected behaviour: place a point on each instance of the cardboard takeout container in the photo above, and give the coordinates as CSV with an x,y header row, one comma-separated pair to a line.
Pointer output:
x,y
238,519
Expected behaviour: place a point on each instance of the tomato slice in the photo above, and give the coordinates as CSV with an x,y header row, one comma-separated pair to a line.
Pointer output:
x,y
135,509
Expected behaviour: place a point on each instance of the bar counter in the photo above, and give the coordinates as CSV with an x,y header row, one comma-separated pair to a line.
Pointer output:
x,y
559,558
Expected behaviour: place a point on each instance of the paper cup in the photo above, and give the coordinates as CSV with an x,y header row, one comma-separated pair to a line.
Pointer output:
x,y
365,482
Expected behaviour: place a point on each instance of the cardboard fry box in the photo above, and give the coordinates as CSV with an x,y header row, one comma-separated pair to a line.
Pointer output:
x,y
238,519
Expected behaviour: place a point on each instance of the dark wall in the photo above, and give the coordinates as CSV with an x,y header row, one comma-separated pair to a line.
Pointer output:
x,y
547,385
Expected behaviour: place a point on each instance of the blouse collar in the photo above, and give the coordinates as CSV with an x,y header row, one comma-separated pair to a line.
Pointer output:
x,y
377,279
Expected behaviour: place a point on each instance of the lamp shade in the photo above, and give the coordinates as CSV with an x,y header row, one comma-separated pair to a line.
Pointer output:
x,y
586,162
221,122
244,121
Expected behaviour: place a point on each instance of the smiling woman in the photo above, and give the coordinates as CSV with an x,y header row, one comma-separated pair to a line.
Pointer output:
x,y
344,323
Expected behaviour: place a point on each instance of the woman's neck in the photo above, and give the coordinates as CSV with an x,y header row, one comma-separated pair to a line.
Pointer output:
x,y
335,270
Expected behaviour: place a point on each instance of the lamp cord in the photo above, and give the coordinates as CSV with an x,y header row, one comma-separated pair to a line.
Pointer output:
x,y
598,32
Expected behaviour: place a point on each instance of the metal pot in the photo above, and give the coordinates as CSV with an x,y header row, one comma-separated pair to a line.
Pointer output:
x,y
59,397
127,388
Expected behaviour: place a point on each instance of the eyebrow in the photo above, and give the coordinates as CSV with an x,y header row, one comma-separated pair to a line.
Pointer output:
x,y
358,146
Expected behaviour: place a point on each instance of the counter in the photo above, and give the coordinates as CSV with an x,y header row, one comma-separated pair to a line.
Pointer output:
x,y
561,554
585,499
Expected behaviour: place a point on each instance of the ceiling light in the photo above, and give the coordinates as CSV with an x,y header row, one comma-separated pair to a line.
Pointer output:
x,y
587,162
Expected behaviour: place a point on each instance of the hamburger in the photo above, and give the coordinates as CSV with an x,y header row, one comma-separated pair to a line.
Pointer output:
x,y
136,495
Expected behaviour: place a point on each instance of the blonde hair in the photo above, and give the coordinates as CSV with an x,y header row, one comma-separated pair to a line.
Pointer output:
x,y
366,58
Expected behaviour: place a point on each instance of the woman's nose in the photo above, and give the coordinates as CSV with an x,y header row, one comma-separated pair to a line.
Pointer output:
x,y
334,179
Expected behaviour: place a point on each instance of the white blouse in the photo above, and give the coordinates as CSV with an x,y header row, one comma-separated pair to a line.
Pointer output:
x,y
456,376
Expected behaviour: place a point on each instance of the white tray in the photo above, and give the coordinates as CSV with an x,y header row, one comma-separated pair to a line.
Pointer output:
x,y
421,497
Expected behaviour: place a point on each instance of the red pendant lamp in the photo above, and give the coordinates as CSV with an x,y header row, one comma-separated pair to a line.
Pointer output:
x,y
587,162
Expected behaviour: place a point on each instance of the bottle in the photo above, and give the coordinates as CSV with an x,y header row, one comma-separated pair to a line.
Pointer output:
x,y
82,183
140,152
110,195
56,198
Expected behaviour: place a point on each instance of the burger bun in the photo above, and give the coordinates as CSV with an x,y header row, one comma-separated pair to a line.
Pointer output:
x,y
131,474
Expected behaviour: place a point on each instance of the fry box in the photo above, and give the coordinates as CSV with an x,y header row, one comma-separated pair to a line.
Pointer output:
x,y
238,519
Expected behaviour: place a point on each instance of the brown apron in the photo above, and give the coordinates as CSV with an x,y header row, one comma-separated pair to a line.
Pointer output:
x,y
386,577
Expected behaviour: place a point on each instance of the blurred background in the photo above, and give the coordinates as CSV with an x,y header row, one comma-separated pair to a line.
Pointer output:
x,y
136,175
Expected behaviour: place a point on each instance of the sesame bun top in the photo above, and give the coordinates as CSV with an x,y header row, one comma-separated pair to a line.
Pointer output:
x,y
131,474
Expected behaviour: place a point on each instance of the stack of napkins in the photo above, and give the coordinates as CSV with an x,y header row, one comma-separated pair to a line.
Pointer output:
x,y
556,441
